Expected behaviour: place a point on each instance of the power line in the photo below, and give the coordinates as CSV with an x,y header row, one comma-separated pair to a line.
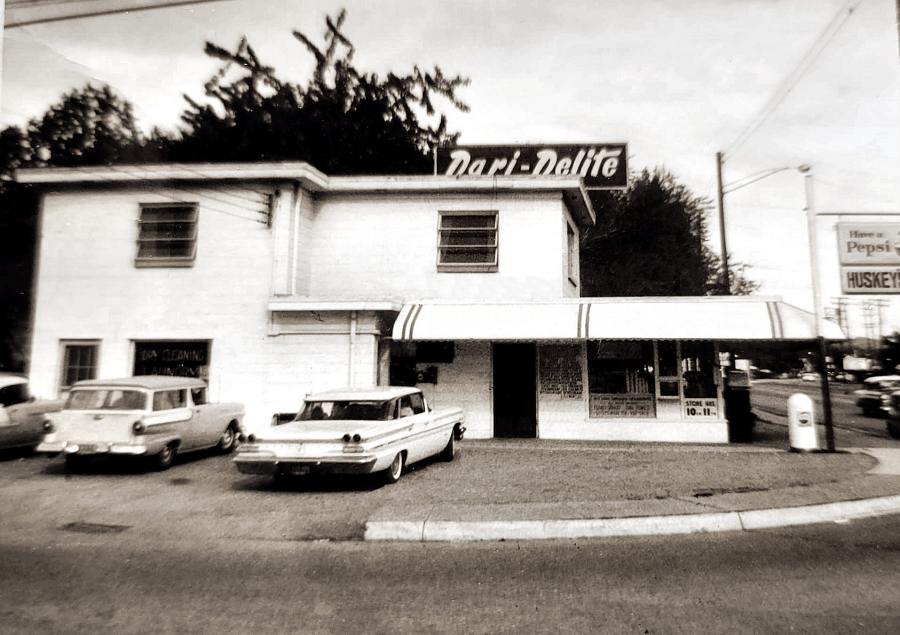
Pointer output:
x,y
23,13
805,63
160,191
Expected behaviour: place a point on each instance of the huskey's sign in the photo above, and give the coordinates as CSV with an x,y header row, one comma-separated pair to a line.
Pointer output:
x,y
601,165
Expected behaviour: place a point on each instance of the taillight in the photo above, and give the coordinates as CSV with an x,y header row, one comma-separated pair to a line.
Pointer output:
x,y
138,427
352,444
48,426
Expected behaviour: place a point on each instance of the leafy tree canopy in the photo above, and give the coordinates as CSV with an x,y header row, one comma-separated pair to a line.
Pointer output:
x,y
343,121
651,240
88,126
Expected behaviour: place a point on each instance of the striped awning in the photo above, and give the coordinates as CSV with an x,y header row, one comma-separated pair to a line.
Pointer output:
x,y
681,318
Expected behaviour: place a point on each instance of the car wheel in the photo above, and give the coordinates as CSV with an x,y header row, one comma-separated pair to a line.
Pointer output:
x,y
75,463
395,471
228,440
893,428
449,450
166,457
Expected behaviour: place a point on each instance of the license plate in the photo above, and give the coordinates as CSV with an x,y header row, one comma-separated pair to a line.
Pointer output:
x,y
297,470
86,448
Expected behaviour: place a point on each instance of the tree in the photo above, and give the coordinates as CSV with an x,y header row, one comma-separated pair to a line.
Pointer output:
x,y
344,121
651,240
89,125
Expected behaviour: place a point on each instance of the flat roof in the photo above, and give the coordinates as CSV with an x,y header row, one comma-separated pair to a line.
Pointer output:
x,y
571,188
148,382
11,380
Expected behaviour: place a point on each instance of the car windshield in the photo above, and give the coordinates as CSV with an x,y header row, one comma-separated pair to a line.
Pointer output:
x,y
346,410
106,399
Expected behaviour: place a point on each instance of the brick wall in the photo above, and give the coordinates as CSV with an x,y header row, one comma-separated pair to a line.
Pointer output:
x,y
465,383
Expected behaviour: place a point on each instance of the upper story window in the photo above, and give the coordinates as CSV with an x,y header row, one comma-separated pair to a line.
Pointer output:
x,y
467,241
167,235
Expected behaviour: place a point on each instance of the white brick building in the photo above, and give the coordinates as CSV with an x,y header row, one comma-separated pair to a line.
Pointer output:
x,y
273,280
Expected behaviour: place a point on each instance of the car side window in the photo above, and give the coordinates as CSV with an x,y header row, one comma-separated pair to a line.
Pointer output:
x,y
13,395
169,399
417,403
406,409
198,395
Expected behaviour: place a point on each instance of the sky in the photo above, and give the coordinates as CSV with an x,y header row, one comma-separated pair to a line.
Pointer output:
x,y
678,80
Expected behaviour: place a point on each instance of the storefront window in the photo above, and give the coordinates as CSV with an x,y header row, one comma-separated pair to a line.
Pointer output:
x,y
698,369
620,379
668,359
665,380
178,358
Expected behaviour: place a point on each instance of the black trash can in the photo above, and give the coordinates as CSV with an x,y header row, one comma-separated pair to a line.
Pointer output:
x,y
738,411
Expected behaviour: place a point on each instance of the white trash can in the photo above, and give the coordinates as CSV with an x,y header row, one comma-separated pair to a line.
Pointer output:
x,y
802,423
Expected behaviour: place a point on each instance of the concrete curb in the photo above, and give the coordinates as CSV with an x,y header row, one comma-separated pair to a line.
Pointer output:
x,y
462,531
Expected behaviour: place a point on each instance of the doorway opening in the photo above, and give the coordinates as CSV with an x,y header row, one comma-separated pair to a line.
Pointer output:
x,y
515,390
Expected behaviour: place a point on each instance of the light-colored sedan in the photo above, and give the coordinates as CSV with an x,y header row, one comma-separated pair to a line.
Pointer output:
x,y
22,417
150,416
354,432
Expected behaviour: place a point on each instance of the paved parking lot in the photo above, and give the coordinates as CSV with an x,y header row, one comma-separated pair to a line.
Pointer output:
x,y
205,498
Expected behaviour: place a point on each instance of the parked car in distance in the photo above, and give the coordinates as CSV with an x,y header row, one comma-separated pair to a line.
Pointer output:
x,y
809,376
150,416
354,431
872,397
893,414
22,417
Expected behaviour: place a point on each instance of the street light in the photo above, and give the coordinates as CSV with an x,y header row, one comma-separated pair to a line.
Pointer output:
x,y
817,304
806,170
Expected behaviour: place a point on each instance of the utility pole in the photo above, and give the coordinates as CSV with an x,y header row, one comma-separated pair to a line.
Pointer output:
x,y
817,308
2,31
726,275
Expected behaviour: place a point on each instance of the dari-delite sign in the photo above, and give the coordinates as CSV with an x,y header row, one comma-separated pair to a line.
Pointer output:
x,y
600,165
869,257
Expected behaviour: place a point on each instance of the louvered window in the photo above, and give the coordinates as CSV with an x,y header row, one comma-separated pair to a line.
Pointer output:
x,y
467,241
167,235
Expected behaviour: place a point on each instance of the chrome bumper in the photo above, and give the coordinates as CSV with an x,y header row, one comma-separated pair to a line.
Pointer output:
x,y
267,463
55,447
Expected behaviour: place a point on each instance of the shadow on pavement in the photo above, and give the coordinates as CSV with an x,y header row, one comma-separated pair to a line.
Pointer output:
x,y
321,483
118,466
14,454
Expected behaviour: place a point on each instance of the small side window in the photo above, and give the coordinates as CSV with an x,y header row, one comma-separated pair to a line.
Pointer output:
x,y
406,409
417,403
169,399
198,395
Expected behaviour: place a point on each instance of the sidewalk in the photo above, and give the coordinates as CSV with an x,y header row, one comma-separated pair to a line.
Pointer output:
x,y
537,489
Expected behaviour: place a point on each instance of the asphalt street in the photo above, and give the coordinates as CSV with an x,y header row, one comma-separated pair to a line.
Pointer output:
x,y
822,578
202,548
852,428
204,496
